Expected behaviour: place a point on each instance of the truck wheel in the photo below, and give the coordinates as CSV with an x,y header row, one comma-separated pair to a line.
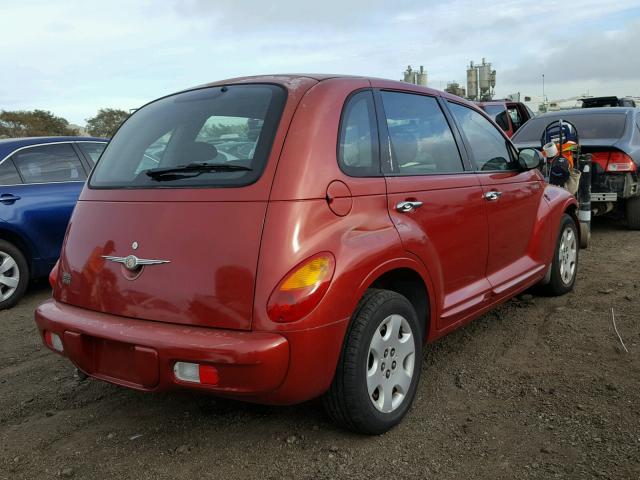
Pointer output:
x,y
633,213
379,367
564,267
14,274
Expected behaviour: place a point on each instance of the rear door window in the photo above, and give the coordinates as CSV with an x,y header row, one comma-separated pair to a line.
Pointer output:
x,y
421,139
49,164
358,143
488,146
230,127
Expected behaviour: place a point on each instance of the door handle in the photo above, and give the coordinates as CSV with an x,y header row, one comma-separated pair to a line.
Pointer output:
x,y
8,197
493,195
408,206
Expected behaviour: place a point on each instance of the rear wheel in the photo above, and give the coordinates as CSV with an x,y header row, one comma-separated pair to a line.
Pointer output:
x,y
14,274
379,368
564,267
633,213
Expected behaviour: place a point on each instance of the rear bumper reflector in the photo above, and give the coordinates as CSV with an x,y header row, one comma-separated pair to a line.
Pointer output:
x,y
53,341
196,373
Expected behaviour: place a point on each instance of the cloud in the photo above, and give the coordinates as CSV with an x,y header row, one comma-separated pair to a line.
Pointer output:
x,y
246,14
602,57
78,56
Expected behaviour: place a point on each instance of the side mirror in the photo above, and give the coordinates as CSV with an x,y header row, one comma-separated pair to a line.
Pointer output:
x,y
529,158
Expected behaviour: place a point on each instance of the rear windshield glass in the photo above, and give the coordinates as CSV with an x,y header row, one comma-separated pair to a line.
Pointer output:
x,y
210,137
589,127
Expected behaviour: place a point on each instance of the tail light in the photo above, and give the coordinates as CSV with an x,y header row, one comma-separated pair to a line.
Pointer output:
x,y
53,275
614,161
601,158
301,289
620,162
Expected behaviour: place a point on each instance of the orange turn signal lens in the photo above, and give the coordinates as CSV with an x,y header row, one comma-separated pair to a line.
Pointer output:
x,y
301,289
311,273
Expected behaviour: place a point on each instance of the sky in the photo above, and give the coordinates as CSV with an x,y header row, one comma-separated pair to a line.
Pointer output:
x,y
73,57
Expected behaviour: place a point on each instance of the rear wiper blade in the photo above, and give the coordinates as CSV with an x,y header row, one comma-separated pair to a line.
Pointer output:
x,y
192,170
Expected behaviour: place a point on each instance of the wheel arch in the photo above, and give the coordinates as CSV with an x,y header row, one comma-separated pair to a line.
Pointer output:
x,y
571,209
409,278
20,243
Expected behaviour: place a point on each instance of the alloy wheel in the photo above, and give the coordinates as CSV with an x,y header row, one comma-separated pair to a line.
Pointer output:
x,y
567,255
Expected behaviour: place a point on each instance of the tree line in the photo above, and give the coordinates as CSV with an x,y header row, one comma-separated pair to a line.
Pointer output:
x,y
42,123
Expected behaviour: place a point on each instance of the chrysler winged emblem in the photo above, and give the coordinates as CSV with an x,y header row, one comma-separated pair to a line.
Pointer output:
x,y
131,262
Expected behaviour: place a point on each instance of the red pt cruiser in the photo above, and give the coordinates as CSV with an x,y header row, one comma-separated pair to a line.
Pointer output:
x,y
278,238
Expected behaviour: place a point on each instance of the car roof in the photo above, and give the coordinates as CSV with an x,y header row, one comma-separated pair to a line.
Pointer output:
x,y
8,145
296,80
25,141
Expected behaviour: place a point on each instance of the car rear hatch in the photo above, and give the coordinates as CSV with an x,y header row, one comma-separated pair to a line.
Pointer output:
x,y
169,226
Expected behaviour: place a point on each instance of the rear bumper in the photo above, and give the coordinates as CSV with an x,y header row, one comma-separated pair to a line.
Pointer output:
x,y
141,354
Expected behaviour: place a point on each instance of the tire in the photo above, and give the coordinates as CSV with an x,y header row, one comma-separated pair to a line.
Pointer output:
x,y
13,269
564,267
633,213
371,335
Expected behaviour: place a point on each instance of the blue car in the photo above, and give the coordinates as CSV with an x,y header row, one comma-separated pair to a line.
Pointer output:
x,y
40,181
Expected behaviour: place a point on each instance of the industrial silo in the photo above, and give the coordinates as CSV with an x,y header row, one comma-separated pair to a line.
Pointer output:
x,y
409,75
484,79
472,82
421,77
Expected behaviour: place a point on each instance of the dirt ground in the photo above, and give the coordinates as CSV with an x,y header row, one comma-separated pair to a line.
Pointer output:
x,y
539,388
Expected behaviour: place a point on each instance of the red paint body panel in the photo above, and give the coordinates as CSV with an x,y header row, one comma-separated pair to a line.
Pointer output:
x,y
208,282
453,212
511,222
230,247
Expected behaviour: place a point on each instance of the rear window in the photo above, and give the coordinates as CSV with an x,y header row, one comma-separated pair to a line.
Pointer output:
x,y
590,127
231,127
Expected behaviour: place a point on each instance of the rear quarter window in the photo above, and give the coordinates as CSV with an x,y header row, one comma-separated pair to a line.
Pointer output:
x,y
92,150
358,152
8,173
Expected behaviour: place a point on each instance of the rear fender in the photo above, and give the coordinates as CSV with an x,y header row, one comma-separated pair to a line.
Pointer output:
x,y
410,262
